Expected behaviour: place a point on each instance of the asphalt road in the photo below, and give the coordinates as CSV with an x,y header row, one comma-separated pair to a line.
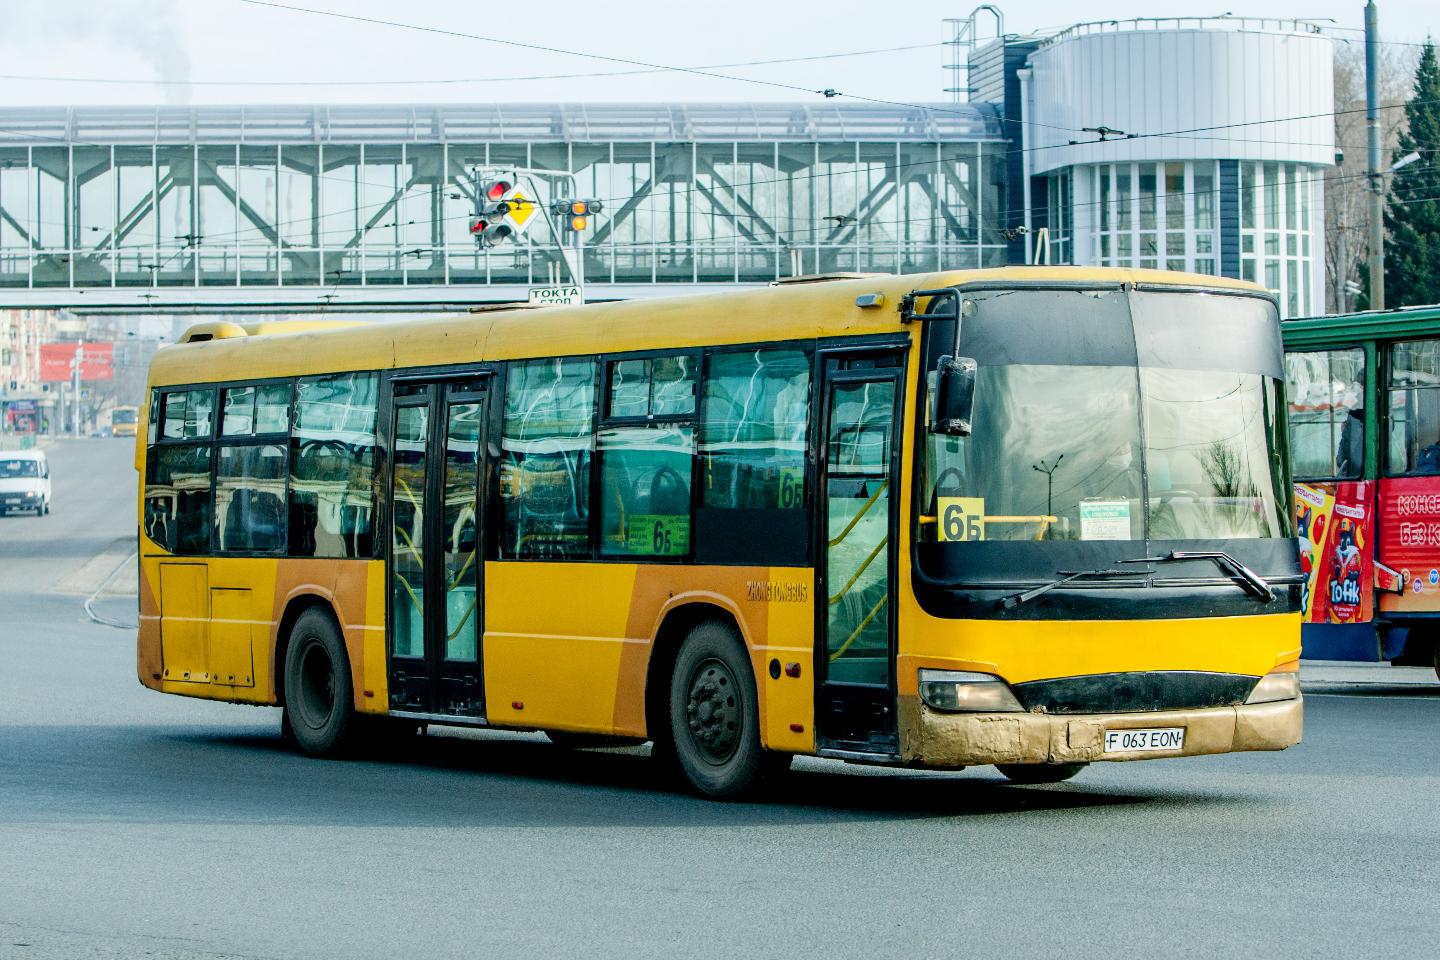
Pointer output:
x,y
134,824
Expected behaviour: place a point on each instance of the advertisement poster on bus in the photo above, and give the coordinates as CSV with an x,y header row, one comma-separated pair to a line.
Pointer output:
x,y
1410,541
1336,531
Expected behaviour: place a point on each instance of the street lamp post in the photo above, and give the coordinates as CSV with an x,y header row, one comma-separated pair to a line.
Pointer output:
x,y
1049,471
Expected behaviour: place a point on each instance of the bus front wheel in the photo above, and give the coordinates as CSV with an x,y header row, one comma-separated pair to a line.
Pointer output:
x,y
319,699
1035,773
714,717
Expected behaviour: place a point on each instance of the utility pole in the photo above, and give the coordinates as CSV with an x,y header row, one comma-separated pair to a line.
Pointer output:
x,y
1377,178
75,389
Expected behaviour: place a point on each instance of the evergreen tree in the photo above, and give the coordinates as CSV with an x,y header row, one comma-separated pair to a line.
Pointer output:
x,y
1412,210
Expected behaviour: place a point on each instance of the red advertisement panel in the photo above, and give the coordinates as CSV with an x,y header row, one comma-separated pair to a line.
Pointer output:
x,y
1410,543
1336,527
96,361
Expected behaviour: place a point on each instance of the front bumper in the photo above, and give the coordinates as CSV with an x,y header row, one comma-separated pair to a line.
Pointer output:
x,y
934,739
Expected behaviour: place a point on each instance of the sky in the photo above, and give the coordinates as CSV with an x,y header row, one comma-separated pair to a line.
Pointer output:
x,y
122,47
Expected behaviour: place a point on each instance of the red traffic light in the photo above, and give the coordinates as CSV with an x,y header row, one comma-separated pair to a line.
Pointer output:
x,y
498,189
477,225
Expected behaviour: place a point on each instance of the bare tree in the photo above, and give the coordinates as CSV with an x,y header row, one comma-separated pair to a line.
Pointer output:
x,y
1347,190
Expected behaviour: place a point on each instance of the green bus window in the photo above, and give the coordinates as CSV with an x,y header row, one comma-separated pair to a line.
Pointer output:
x,y
754,419
332,466
250,498
645,490
177,497
1325,391
548,439
1414,389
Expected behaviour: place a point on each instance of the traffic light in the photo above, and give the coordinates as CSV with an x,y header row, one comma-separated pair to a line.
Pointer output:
x,y
488,225
575,214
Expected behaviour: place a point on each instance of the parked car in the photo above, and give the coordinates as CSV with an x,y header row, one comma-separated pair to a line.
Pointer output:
x,y
24,482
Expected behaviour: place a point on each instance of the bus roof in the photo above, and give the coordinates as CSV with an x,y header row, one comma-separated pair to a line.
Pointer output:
x,y
788,311
1369,325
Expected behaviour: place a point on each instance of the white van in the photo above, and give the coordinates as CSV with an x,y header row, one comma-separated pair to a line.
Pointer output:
x,y
24,482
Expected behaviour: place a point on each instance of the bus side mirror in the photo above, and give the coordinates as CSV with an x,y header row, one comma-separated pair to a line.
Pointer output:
x,y
954,396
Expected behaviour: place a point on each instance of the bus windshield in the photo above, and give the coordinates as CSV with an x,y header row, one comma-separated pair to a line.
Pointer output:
x,y
1122,421
123,415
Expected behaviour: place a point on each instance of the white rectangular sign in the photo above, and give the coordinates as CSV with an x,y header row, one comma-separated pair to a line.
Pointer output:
x,y
561,296
1153,739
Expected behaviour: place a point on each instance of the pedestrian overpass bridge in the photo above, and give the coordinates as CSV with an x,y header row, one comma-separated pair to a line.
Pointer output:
x,y
216,209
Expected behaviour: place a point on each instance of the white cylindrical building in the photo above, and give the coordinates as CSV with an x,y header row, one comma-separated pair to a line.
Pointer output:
x,y
1225,128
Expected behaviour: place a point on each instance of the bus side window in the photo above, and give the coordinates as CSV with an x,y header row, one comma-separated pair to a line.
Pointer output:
x,y
177,474
1325,391
754,424
332,465
547,441
647,457
1414,390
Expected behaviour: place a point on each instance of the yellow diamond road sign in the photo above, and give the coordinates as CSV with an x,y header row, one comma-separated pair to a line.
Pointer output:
x,y
522,209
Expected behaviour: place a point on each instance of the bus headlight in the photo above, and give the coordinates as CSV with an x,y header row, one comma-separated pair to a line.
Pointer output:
x,y
1280,685
958,691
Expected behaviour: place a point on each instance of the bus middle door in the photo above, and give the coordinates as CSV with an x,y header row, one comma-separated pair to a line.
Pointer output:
x,y
437,523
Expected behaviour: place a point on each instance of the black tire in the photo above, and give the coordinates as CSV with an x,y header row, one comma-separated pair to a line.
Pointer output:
x,y
584,741
714,717
319,696
1034,773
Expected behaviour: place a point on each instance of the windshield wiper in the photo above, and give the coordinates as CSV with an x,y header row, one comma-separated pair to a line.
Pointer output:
x,y
1250,581
1068,576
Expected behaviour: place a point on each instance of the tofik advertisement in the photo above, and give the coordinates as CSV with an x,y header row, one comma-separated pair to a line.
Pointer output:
x,y
1410,542
1336,531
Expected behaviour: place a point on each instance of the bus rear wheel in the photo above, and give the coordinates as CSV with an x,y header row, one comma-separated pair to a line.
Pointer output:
x,y
714,716
319,697
1036,773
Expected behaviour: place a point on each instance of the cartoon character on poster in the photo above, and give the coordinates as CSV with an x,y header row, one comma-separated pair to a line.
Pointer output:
x,y
1345,572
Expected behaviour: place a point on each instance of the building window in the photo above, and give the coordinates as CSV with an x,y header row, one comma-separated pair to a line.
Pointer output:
x,y
1275,231
1158,216
1058,200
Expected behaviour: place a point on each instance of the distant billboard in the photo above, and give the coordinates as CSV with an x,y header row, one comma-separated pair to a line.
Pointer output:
x,y
57,361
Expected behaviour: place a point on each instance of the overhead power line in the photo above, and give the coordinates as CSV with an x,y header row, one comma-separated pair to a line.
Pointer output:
x,y
463,80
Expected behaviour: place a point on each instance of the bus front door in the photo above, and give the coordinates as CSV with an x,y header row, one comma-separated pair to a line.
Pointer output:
x,y
437,487
855,707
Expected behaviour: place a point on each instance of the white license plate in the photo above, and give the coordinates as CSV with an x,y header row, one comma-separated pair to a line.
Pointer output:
x,y
1162,738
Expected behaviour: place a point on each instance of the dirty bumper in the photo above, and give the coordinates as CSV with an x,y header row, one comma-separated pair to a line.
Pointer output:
x,y
931,738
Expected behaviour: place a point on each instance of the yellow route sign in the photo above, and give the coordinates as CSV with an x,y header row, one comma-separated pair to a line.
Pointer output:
x,y
961,518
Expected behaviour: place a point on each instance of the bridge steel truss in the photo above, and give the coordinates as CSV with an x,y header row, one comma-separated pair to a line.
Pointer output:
x,y
316,197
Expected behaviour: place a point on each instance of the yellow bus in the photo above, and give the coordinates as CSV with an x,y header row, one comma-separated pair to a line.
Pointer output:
x,y
123,420
1028,517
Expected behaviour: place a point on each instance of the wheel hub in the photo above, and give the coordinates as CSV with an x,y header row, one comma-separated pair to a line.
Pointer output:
x,y
713,711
